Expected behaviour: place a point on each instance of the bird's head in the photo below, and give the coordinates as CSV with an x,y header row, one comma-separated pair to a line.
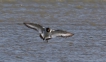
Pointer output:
x,y
47,29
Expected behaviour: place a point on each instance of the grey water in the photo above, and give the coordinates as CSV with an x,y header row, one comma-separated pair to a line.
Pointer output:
x,y
85,18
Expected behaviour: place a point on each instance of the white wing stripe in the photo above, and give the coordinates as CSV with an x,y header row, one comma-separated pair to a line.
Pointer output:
x,y
30,25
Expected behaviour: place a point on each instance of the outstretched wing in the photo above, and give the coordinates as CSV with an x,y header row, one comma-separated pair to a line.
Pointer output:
x,y
37,27
60,33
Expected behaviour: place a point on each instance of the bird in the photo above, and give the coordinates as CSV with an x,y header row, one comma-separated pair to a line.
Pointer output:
x,y
47,33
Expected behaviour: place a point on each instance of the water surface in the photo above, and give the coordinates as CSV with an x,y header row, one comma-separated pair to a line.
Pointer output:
x,y
85,18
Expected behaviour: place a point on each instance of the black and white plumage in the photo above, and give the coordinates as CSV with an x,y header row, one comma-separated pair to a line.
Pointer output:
x,y
47,33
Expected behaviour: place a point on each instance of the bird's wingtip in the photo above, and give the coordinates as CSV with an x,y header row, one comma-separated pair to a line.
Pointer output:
x,y
24,23
71,34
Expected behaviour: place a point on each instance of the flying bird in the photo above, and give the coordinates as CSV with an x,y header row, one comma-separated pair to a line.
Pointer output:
x,y
46,33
